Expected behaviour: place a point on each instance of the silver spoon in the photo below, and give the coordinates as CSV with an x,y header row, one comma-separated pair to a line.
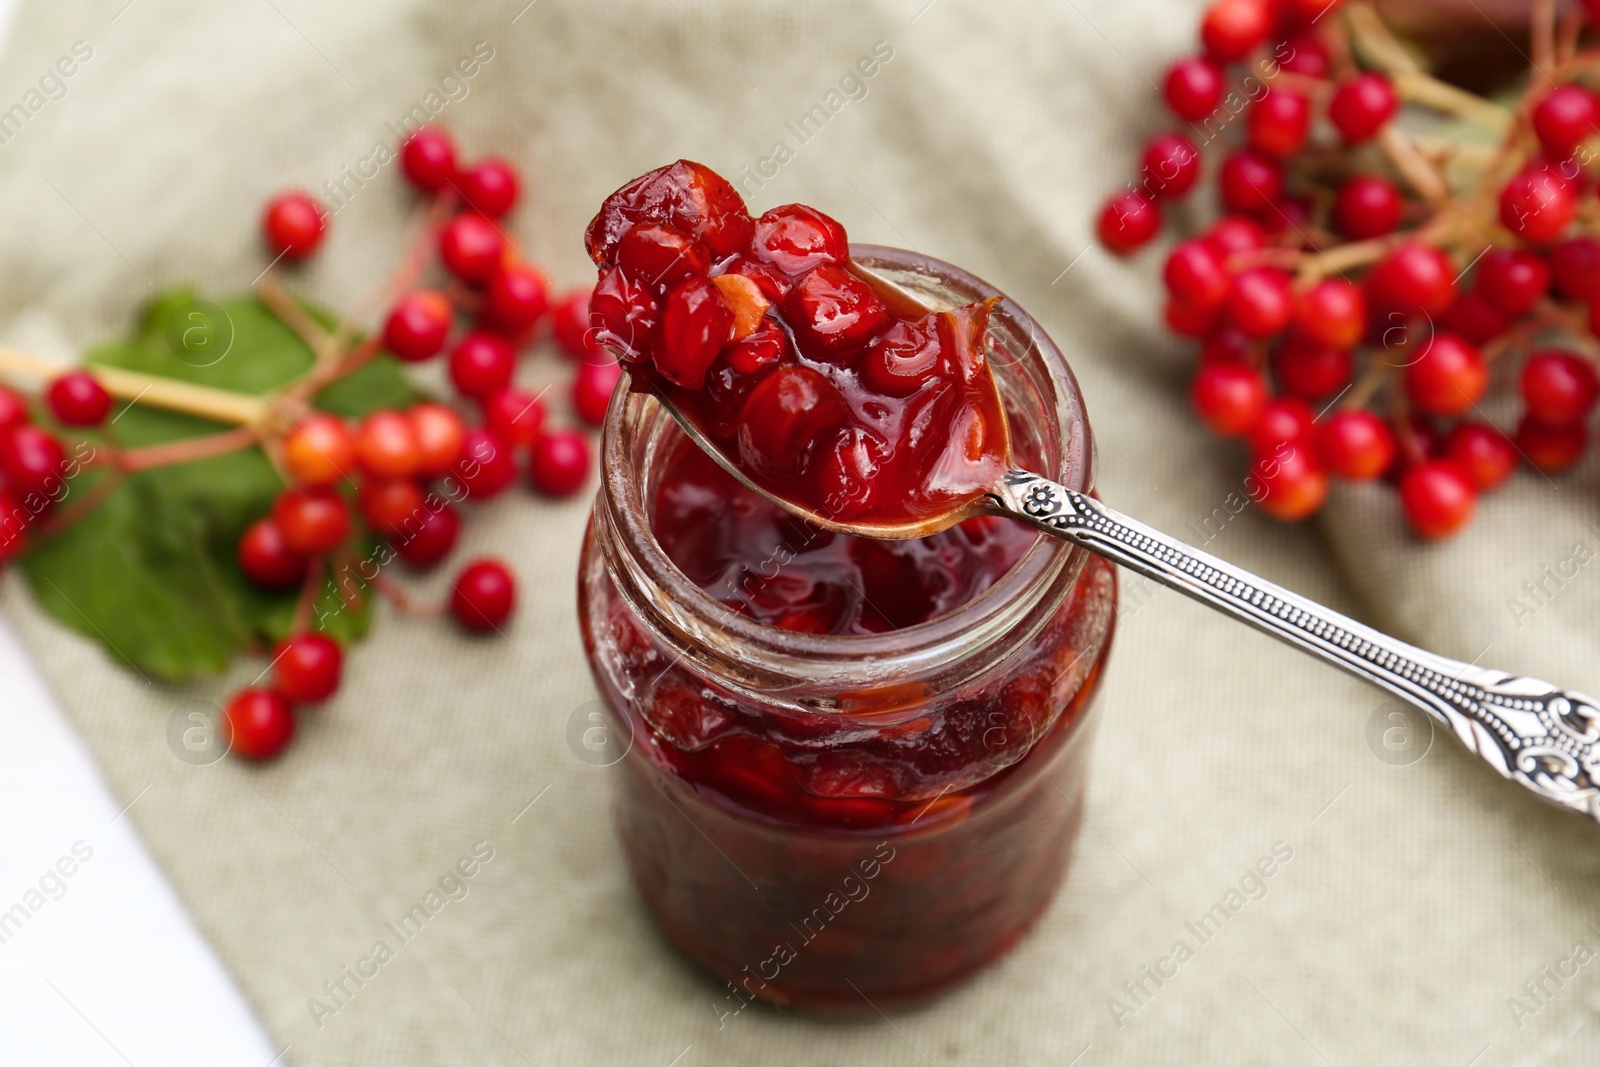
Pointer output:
x,y
1544,738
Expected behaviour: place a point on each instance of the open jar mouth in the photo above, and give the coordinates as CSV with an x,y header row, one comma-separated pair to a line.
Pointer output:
x,y
1050,434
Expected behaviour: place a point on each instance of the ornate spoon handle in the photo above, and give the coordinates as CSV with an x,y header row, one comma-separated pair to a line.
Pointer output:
x,y
1534,733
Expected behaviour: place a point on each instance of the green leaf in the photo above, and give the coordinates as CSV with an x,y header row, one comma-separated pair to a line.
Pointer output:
x,y
151,572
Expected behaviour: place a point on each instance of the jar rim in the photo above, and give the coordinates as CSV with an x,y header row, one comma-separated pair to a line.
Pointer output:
x,y
665,593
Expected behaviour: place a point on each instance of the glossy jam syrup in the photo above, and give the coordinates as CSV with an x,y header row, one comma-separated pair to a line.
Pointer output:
x,y
824,387
764,563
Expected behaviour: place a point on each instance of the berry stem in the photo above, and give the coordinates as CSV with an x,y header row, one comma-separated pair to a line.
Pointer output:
x,y
218,405
1424,89
189,449
1414,167
335,362
1542,26
404,602
309,589
1366,387
292,314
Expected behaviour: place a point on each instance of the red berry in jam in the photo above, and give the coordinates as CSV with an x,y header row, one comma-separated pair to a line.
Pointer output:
x,y
313,520
559,463
1565,119
592,389
1486,454
1293,485
622,314
267,560
320,450
832,312
76,398
687,196
1232,29
471,247
386,445
1195,275
417,327
1356,444
1366,207
1312,369
482,363
1193,88
486,467
1438,498
1278,123
514,417
440,434
1249,183
1413,279
1332,312
901,360
794,238
783,418
1575,264
1538,205
293,225
1448,378
1559,387
1261,302
490,186
431,536
32,461
695,323
257,724
307,668
517,297
1230,397
1171,166
428,159
660,257
483,595
387,504
1362,106
1551,448
1513,280
1128,221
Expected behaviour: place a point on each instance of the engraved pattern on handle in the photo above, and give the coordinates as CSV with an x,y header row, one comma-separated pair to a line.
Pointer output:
x,y
1538,735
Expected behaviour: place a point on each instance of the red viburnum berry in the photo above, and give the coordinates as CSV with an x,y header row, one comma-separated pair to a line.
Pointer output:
x,y
257,724
1362,106
483,595
293,224
1438,497
1128,221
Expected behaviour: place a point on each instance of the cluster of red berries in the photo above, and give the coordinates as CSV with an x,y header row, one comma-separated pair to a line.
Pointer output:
x,y
33,459
494,304
1340,236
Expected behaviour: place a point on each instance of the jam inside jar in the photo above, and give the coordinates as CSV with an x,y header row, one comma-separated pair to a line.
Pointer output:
x,y
854,769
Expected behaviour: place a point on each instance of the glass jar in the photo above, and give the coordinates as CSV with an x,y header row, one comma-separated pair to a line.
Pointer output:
x,y
833,822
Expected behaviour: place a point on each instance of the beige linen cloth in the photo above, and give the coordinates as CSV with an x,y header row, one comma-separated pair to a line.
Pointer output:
x,y
1422,901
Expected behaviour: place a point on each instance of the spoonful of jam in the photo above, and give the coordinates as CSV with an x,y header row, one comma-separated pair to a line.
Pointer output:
x,y
844,400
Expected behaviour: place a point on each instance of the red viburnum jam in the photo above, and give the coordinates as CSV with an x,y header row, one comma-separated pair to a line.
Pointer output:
x,y
826,388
